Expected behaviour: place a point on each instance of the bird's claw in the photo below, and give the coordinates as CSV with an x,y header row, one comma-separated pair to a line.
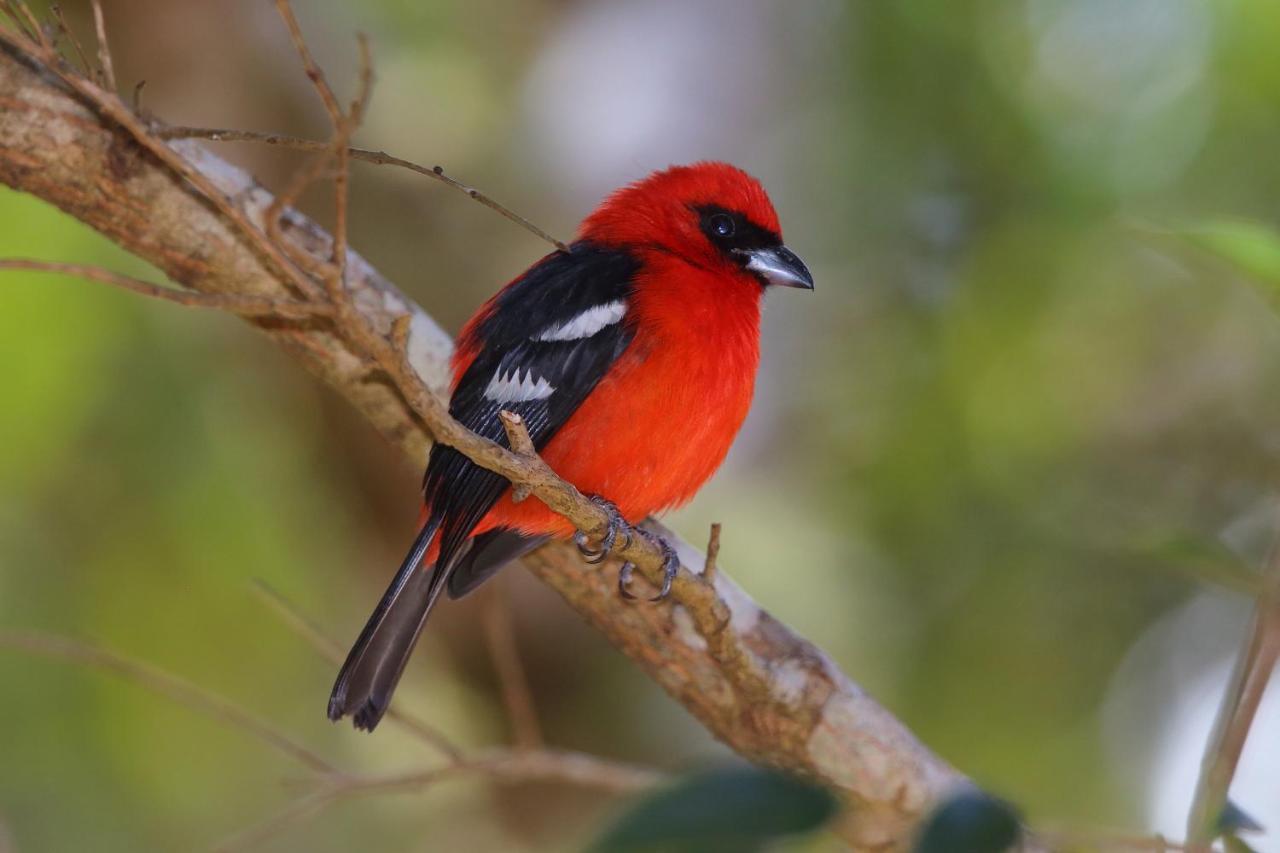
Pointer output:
x,y
615,525
670,568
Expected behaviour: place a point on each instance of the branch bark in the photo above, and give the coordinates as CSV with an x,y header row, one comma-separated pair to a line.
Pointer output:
x,y
766,692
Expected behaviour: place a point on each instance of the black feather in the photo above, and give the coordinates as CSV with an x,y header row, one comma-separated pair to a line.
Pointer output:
x,y
489,552
375,663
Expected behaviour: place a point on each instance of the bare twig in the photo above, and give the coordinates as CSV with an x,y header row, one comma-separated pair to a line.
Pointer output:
x,y
1253,670
519,441
183,692
517,433
713,552
314,73
503,766
65,31
111,107
500,636
104,49
28,23
330,651
379,158
10,8
346,125
337,150
245,306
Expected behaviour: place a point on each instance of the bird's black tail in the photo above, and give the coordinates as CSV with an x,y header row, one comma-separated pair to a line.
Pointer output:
x,y
376,661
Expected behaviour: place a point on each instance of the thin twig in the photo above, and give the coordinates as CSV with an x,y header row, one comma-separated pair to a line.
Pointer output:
x,y
379,158
499,634
104,49
506,766
520,442
1253,669
70,37
346,125
245,306
336,150
517,433
112,108
713,552
177,689
314,73
19,21
330,651
29,25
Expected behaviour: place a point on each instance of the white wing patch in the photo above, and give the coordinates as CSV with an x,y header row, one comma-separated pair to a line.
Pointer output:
x,y
586,324
512,388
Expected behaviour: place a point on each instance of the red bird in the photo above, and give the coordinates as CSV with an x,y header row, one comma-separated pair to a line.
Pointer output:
x,y
631,358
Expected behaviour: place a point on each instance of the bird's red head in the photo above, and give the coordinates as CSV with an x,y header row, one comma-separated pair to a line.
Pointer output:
x,y
712,215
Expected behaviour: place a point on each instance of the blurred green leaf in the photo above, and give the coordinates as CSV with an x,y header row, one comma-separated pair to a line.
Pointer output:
x,y
971,822
727,809
1252,247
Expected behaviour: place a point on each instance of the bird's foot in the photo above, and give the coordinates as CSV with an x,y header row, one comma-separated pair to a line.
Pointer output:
x,y
616,525
670,568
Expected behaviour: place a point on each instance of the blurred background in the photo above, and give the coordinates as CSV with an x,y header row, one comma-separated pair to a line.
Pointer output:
x,y
1010,464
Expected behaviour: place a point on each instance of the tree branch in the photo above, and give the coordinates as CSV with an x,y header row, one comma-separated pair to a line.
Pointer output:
x,y
378,158
766,692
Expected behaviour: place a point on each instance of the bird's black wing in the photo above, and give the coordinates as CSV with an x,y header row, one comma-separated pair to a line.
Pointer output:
x,y
550,338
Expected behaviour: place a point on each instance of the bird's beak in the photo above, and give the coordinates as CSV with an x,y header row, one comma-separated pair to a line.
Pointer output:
x,y
779,266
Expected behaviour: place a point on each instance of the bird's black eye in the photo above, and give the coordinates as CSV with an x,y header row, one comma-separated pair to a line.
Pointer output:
x,y
722,225
731,232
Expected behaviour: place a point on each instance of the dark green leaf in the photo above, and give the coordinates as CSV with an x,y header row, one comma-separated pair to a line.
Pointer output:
x,y
970,822
729,809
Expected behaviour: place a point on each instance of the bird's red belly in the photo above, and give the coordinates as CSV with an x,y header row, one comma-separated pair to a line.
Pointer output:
x,y
649,435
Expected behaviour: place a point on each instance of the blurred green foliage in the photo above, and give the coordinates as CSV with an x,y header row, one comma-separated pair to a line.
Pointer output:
x,y
1003,438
